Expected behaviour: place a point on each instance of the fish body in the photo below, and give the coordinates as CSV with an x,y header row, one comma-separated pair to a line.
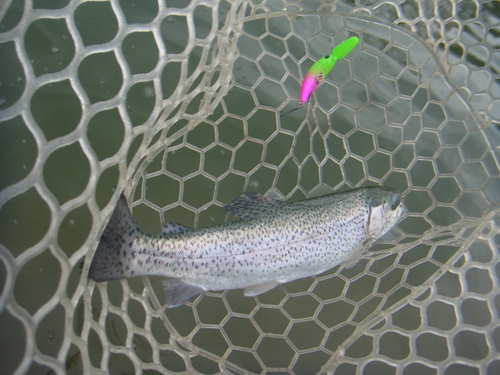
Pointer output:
x,y
273,243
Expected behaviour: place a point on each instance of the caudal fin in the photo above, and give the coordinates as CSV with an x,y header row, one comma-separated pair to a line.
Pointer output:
x,y
112,259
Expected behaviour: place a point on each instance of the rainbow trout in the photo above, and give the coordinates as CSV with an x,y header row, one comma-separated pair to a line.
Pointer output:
x,y
273,243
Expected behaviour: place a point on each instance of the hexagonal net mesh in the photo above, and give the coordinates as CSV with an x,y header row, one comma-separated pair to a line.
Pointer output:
x,y
178,104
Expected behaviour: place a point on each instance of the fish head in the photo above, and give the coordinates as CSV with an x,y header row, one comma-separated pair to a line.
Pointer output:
x,y
385,208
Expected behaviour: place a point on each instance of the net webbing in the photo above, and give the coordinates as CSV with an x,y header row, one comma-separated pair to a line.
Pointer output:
x,y
178,104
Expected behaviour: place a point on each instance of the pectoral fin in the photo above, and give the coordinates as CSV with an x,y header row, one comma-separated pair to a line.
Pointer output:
x,y
353,260
357,255
255,290
178,292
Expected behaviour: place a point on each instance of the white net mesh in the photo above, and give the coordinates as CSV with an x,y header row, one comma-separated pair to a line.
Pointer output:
x,y
178,103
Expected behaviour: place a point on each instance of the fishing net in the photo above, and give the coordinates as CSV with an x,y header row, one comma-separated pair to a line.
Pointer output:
x,y
177,103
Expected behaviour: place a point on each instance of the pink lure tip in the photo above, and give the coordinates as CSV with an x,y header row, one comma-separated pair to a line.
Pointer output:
x,y
309,84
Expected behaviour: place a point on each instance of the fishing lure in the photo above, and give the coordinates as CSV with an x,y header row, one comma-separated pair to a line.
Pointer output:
x,y
320,69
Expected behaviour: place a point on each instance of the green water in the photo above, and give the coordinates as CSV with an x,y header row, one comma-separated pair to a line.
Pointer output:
x,y
390,120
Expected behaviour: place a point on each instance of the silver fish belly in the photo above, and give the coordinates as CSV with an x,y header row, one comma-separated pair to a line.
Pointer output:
x,y
273,243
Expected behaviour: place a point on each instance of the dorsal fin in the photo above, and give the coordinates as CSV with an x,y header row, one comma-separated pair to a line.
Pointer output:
x,y
250,205
172,228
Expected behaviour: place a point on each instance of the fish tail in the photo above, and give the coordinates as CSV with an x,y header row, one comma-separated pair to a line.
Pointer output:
x,y
113,259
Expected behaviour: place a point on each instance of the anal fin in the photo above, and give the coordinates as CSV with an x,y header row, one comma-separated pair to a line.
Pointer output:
x,y
255,290
178,292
